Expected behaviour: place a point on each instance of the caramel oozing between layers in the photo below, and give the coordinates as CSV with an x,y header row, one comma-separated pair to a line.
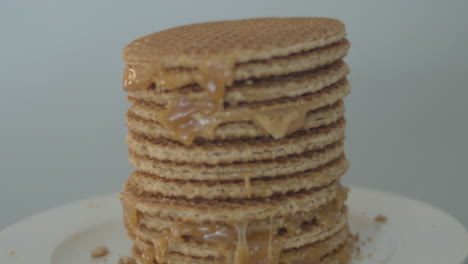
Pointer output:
x,y
148,255
130,214
240,243
188,118
243,242
248,185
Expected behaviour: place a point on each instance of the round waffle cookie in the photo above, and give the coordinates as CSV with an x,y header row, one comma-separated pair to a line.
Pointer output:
x,y
247,187
236,132
239,40
241,150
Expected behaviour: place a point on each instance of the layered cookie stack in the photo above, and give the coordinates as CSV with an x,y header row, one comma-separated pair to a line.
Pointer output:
x,y
236,132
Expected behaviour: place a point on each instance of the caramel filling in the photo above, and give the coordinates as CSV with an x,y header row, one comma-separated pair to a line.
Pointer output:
x,y
243,242
239,243
188,118
248,242
130,214
256,245
248,185
183,117
148,255
341,196
161,242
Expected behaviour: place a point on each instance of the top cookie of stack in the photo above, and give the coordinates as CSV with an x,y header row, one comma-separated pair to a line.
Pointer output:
x,y
236,124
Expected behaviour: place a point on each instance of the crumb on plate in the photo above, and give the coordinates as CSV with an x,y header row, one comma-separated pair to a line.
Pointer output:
x,y
100,251
380,219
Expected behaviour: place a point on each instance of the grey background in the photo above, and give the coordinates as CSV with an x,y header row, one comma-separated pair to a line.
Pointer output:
x,y
62,105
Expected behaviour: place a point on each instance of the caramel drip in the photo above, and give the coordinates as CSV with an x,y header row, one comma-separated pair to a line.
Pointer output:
x,y
183,117
187,118
319,177
213,234
280,121
248,186
328,215
130,213
148,255
143,75
214,78
242,253
240,243
341,196
221,234
161,246
256,246
137,75
131,222
262,252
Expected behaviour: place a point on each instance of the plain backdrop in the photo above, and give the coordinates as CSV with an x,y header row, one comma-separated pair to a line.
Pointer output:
x,y
62,105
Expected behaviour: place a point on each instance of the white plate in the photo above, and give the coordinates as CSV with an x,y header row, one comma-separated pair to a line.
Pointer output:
x,y
415,232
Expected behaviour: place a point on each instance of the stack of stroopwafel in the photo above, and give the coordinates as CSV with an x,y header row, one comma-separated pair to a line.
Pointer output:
x,y
236,132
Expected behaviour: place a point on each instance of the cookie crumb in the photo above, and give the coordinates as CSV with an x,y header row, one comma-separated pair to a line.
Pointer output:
x,y
99,252
11,252
126,260
381,219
